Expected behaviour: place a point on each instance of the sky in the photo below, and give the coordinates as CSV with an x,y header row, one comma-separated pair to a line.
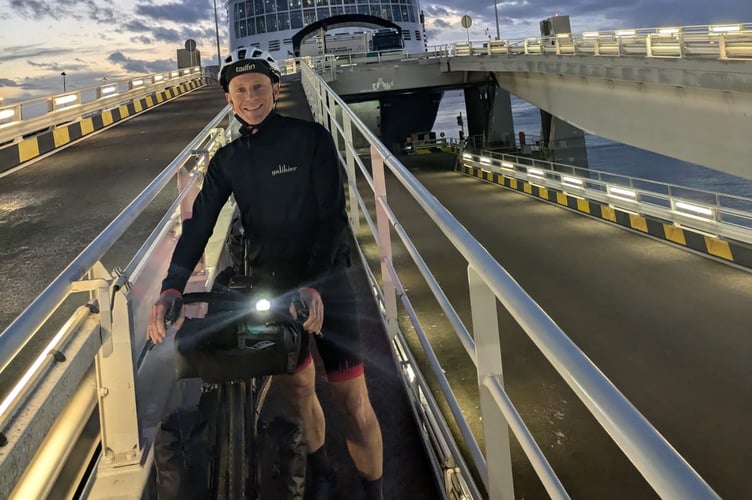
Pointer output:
x,y
91,40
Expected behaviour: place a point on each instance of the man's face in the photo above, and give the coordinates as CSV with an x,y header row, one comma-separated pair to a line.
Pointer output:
x,y
252,96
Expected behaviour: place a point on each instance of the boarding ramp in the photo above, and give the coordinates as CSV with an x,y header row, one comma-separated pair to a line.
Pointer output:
x,y
62,387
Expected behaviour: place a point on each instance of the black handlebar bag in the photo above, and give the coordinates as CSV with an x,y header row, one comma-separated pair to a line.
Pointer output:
x,y
231,345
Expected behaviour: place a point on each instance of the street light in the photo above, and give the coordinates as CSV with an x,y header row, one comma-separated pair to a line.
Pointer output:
x,y
496,11
63,75
216,27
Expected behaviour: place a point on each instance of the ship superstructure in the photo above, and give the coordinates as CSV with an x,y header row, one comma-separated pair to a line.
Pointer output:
x,y
271,24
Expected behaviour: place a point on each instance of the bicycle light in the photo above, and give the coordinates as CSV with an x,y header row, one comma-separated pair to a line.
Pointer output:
x,y
263,305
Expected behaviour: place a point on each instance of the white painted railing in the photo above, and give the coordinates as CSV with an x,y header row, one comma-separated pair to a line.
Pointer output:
x,y
724,215
663,468
729,41
26,117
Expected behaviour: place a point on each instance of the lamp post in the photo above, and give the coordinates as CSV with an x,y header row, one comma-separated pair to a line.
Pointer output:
x,y
216,28
63,75
496,11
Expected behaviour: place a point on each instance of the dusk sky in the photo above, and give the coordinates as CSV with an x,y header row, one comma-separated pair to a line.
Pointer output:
x,y
95,39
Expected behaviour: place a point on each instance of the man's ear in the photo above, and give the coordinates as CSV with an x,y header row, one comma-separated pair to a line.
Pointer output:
x,y
229,99
275,91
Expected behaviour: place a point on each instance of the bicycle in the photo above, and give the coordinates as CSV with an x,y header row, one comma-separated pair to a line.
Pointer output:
x,y
247,336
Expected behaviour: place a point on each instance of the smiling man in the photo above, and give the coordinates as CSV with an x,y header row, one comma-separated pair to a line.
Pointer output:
x,y
286,180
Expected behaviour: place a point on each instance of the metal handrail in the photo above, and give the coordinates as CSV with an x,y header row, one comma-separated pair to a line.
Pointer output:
x,y
24,117
20,331
725,215
661,465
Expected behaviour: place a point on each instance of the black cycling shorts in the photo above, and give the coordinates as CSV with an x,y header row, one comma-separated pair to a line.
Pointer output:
x,y
340,344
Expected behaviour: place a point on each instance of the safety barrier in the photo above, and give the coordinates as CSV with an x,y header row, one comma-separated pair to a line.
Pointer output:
x,y
715,224
664,469
728,41
32,128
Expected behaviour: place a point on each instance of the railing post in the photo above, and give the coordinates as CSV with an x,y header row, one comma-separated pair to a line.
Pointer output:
x,y
115,374
488,356
385,242
350,169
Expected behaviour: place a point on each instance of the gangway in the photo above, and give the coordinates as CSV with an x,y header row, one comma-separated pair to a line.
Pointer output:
x,y
106,327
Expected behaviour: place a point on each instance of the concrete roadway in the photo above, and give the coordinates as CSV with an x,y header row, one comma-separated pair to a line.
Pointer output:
x,y
671,329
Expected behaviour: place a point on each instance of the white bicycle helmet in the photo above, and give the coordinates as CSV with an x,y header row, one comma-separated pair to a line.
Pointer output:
x,y
248,60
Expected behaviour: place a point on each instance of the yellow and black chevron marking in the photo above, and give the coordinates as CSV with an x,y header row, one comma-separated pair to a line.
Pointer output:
x,y
31,147
732,251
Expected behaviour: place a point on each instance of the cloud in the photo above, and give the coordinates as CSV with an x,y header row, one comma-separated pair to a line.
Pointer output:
x,y
4,82
141,66
191,11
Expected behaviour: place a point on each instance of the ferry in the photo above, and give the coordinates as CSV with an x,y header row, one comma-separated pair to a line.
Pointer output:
x,y
294,28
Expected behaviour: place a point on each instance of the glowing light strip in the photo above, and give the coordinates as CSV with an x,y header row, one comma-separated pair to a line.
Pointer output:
x,y
536,172
174,73
669,31
571,180
108,90
624,192
467,156
158,78
625,32
697,209
507,165
725,28
137,83
65,99
591,34
487,161
7,113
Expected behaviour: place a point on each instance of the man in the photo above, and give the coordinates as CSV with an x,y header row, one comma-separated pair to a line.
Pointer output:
x,y
285,177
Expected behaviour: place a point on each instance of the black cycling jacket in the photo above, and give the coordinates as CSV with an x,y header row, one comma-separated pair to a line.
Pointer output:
x,y
287,182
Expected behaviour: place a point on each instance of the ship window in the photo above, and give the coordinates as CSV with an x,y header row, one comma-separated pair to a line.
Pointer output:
x,y
284,20
363,9
362,1
403,11
239,10
338,10
243,28
323,12
346,2
273,45
351,9
270,6
295,4
282,6
411,14
296,19
259,7
271,23
321,3
385,12
251,26
396,15
260,25
309,16
309,3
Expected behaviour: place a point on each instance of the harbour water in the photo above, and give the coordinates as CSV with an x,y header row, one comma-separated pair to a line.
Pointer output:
x,y
606,155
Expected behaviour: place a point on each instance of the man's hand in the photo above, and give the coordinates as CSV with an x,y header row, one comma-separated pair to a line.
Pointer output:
x,y
170,302
315,320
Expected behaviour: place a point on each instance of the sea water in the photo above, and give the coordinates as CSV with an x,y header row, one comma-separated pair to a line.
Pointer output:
x,y
603,154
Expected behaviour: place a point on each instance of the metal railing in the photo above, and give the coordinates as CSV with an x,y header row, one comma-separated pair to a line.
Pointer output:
x,y
26,117
113,309
725,215
729,41
663,468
